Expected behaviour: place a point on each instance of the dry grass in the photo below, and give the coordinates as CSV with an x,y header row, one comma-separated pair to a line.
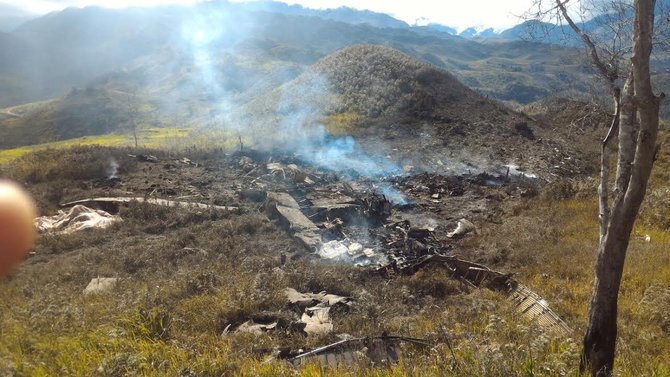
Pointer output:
x,y
168,314
343,124
164,138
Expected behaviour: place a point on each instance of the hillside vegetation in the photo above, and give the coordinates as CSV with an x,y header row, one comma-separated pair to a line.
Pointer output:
x,y
80,112
169,314
101,41
375,82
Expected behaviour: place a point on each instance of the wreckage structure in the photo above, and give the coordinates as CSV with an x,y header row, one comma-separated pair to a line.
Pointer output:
x,y
388,226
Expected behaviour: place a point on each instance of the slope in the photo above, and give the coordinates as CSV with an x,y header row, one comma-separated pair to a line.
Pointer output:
x,y
72,47
80,112
396,105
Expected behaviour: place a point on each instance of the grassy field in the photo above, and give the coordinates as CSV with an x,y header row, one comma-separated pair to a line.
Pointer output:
x,y
147,138
168,315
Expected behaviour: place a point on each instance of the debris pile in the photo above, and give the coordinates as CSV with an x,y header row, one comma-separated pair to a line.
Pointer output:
x,y
317,309
312,315
389,226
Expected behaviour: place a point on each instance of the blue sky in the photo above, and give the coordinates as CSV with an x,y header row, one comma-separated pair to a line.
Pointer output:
x,y
498,14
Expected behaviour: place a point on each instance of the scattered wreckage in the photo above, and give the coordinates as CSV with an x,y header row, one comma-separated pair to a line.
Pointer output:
x,y
353,221
389,226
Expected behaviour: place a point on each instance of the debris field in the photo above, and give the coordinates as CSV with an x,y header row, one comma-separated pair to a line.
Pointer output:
x,y
385,225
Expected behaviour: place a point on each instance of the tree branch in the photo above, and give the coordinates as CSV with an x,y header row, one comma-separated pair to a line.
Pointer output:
x,y
606,71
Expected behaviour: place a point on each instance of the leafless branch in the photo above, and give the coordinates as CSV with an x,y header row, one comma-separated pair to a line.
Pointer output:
x,y
607,71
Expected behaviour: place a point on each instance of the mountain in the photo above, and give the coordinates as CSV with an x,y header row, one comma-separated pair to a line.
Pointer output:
x,y
341,14
442,28
374,83
49,55
472,32
11,17
77,113
222,65
192,63
70,48
391,101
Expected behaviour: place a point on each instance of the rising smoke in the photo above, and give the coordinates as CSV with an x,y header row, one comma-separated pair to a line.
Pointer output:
x,y
289,119
112,169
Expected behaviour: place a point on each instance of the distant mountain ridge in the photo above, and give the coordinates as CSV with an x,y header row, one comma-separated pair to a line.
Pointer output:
x,y
11,17
49,55
341,14
191,64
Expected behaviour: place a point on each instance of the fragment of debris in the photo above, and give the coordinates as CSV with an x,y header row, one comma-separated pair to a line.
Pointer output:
x,y
333,250
474,274
374,350
536,309
112,203
333,207
311,314
352,252
646,238
247,164
316,309
317,320
187,161
76,219
256,328
100,285
463,227
291,171
260,323
377,207
284,207
526,302
145,158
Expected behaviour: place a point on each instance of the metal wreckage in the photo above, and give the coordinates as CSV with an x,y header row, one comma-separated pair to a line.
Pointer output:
x,y
389,226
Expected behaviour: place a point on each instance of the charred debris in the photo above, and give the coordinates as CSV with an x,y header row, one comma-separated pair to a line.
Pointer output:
x,y
389,226
386,225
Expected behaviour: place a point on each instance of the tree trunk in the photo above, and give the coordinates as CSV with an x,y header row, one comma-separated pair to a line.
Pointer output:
x,y
635,160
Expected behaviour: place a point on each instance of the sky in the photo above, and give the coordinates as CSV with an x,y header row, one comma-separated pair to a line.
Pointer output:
x,y
499,14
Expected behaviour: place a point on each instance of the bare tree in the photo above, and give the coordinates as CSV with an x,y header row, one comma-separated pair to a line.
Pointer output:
x,y
635,123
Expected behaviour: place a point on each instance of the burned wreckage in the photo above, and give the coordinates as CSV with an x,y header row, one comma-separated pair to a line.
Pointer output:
x,y
387,226
393,225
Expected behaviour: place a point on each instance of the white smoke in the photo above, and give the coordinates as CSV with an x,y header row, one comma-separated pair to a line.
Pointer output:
x,y
112,169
